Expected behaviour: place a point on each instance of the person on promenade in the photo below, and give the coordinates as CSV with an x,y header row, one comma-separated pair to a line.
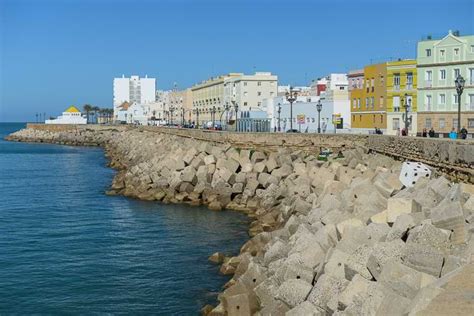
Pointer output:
x,y
453,134
404,132
463,132
425,133
398,131
431,133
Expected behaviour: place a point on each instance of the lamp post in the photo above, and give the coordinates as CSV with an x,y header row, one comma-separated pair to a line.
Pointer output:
x,y
171,115
213,115
279,113
291,97
406,118
319,107
459,89
196,111
236,108
226,109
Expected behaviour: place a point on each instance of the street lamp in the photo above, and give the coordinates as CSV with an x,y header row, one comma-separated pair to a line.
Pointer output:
x,y
236,108
406,118
291,97
459,89
213,115
279,112
171,115
319,107
196,111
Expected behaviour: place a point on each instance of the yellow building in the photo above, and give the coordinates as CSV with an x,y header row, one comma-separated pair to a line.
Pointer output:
x,y
368,98
401,91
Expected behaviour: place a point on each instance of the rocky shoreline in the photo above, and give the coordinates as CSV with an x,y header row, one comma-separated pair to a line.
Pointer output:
x,y
327,237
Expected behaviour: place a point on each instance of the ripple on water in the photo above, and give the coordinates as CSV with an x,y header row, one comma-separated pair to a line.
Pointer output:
x,y
66,247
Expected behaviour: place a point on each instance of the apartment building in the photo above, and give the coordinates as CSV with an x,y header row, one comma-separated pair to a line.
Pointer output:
x,y
133,90
368,94
401,92
439,63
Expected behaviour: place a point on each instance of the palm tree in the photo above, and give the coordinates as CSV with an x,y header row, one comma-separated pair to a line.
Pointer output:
x,y
87,108
95,110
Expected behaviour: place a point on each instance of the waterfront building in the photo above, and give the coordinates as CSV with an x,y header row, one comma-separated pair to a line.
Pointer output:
x,y
318,86
72,115
439,62
368,94
213,96
133,90
305,115
401,86
335,96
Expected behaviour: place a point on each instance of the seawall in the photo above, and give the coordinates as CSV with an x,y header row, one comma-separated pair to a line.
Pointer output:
x,y
328,237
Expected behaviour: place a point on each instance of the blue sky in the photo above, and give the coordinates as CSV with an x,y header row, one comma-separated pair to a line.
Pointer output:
x,y
57,53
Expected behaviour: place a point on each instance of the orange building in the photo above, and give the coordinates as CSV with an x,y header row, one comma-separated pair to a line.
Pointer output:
x,y
368,94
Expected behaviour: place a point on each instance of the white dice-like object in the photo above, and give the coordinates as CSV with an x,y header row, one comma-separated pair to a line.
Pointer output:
x,y
412,171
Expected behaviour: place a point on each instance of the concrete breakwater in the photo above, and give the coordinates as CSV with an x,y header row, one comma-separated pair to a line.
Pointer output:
x,y
336,237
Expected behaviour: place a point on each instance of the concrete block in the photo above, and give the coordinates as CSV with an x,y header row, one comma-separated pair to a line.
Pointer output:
x,y
382,253
294,291
422,299
325,289
306,309
353,222
209,159
241,304
380,218
401,205
423,258
449,215
378,231
297,271
427,234
401,226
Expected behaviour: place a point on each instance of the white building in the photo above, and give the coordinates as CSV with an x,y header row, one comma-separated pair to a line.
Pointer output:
x,y
305,114
133,90
336,96
72,115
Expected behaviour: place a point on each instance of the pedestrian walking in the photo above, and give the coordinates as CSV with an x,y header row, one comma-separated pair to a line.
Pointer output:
x,y
424,133
431,133
463,132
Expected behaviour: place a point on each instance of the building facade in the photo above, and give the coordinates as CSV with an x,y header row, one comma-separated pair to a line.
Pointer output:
x,y
72,115
133,90
213,96
439,62
368,99
336,97
401,92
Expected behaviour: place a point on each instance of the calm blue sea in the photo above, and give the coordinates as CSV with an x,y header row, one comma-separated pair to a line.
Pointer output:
x,y
67,248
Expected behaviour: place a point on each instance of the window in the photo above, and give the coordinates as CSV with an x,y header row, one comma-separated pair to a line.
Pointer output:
x,y
442,98
472,48
245,83
471,76
341,88
372,103
353,118
366,103
381,102
456,52
455,123
271,93
259,103
396,81
442,74
396,104
374,118
428,52
381,80
455,99
409,80
381,118
442,52
457,72
427,123
245,103
396,123
471,102
358,103
428,75
360,118
259,93
354,103
428,102
442,123
470,123
245,93
259,83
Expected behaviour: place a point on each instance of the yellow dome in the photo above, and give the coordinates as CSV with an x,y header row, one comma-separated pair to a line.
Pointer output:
x,y
72,109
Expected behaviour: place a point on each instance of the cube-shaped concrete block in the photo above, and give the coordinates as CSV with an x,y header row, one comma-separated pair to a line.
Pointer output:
x,y
412,171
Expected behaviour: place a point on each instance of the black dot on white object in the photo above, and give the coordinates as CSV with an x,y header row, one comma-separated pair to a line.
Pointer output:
x,y
427,175
416,174
413,182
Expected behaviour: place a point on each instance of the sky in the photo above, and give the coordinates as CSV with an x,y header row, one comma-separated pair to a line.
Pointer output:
x,y
57,53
